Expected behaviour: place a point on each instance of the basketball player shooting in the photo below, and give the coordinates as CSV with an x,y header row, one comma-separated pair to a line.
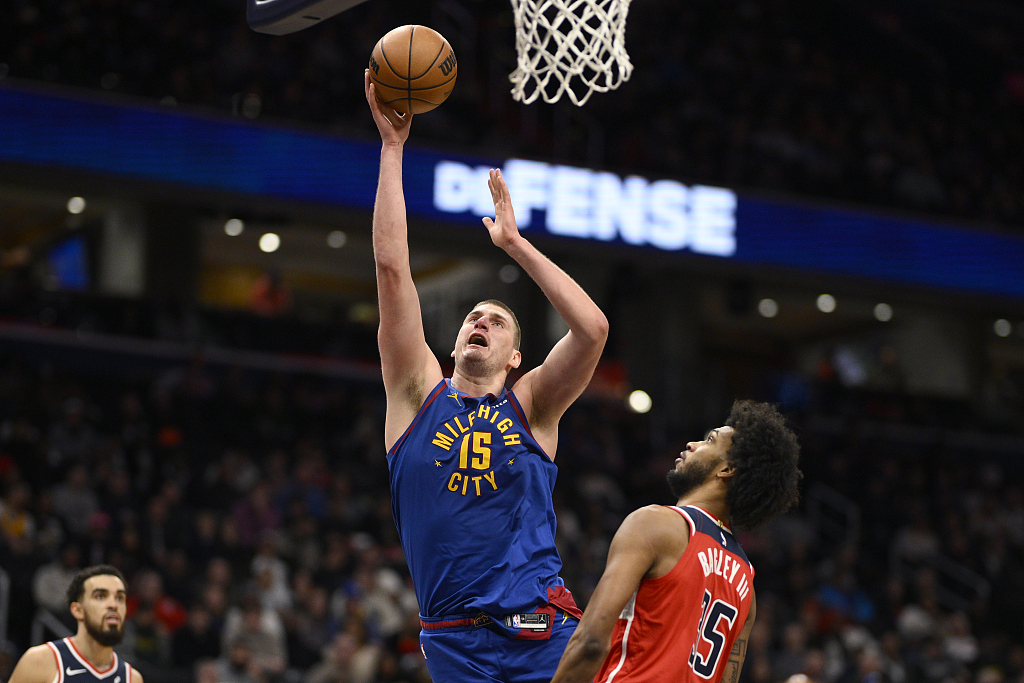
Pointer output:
x,y
98,600
471,463
676,600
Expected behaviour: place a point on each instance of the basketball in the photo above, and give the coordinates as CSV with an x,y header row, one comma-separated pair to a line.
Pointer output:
x,y
413,69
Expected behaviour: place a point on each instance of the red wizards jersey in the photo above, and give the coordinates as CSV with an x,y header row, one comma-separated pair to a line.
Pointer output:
x,y
681,626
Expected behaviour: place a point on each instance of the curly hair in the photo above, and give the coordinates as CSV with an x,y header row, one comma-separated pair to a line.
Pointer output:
x,y
764,452
76,590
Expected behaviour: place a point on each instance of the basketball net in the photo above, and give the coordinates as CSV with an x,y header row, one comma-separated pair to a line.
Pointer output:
x,y
571,47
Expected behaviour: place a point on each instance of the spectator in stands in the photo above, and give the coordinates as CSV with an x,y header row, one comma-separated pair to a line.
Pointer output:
x,y
336,666
271,575
17,523
128,552
96,545
311,628
148,594
50,583
256,514
75,501
261,630
146,643
203,543
72,438
237,665
180,583
195,642
792,657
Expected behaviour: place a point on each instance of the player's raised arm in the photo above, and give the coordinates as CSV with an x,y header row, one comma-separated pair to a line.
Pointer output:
x,y
37,665
635,550
409,367
546,391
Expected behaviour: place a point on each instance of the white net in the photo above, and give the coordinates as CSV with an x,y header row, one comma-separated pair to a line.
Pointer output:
x,y
570,47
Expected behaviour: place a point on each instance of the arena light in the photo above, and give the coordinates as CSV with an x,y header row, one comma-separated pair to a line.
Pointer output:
x,y
1002,327
508,274
336,239
76,205
234,227
826,303
883,312
640,401
269,242
768,308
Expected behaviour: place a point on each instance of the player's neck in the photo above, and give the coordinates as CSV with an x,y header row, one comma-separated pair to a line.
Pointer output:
x,y
708,501
478,386
100,656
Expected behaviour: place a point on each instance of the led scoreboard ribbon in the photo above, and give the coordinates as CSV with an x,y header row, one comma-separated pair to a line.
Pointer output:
x,y
170,146
279,17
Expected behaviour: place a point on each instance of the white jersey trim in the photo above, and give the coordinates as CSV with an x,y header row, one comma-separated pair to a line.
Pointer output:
x,y
712,518
59,678
686,516
628,612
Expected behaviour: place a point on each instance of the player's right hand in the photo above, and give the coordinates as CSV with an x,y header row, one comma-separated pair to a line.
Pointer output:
x,y
503,229
393,126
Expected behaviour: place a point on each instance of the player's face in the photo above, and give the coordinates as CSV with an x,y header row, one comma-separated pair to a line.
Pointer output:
x,y
103,607
697,463
486,340
715,446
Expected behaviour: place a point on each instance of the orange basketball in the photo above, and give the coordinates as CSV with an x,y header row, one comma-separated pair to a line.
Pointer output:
x,y
413,69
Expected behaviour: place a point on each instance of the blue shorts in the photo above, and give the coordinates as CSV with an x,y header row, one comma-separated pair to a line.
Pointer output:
x,y
485,654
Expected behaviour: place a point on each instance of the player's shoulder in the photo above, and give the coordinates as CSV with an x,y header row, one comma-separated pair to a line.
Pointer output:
x,y
655,521
41,653
37,665
656,514
134,676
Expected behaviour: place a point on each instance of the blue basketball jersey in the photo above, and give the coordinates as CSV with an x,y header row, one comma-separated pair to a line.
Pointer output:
x,y
73,667
471,495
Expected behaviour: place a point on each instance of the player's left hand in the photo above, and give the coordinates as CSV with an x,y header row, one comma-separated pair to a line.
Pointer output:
x,y
503,228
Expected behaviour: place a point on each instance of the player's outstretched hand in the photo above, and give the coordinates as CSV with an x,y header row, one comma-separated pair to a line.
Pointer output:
x,y
393,126
503,228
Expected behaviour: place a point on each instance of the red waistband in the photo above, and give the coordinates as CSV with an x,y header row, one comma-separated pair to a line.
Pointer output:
x,y
559,598
479,620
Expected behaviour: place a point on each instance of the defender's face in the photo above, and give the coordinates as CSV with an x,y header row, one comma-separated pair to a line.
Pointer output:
x,y
487,336
103,606
714,448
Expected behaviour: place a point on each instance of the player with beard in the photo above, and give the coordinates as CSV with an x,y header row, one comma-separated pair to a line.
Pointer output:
x,y
471,462
97,598
676,600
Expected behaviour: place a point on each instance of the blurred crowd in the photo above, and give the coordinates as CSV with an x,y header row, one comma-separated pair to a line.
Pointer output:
x,y
903,104
250,511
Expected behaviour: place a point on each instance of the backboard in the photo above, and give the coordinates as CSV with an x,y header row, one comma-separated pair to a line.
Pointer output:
x,y
279,17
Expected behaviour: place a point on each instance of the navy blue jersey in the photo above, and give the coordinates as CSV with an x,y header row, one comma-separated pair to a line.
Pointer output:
x,y
73,667
471,494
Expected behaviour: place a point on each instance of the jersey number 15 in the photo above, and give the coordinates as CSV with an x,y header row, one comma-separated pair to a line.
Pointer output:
x,y
711,630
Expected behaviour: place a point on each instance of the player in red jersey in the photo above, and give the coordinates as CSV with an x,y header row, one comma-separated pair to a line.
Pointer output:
x,y
676,601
